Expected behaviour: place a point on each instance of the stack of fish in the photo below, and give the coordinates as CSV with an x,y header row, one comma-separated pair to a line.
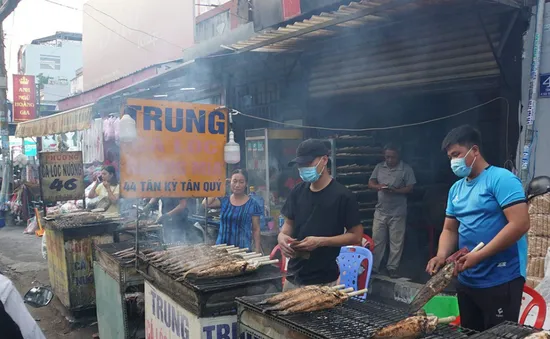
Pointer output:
x,y
203,261
309,299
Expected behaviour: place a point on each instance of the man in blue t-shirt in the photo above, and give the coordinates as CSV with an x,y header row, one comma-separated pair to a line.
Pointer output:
x,y
487,205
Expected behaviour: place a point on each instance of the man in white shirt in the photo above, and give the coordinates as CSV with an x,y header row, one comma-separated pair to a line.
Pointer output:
x,y
14,307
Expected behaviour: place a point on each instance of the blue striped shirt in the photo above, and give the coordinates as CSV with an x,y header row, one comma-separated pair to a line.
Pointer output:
x,y
236,223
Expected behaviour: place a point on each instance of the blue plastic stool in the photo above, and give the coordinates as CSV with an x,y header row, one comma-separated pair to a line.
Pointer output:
x,y
351,260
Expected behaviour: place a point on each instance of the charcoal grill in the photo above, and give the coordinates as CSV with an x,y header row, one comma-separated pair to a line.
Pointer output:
x,y
352,320
215,297
506,330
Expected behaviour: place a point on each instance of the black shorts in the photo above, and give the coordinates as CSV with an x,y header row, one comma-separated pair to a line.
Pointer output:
x,y
483,308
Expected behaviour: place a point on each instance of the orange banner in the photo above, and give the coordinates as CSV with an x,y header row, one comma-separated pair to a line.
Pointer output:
x,y
24,97
178,152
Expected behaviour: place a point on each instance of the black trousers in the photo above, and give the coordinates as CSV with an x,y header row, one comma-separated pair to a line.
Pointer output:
x,y
483,308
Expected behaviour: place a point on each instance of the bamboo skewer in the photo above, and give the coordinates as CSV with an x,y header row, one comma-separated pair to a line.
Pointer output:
x,y
238,250
446,320
356,293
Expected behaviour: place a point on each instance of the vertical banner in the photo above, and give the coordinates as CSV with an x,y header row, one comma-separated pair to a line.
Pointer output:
x,y
62,176
178,152
24,97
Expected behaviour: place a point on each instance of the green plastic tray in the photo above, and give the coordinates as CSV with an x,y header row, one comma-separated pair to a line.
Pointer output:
x,y
442,306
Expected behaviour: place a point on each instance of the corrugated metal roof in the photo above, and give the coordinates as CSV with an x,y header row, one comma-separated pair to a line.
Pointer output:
x,y
295,36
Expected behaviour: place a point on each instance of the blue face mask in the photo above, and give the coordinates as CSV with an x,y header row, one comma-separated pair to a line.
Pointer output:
x,y
459,167
309,174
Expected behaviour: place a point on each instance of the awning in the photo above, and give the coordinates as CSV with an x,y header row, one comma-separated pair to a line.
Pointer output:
x,y
361,14
76,119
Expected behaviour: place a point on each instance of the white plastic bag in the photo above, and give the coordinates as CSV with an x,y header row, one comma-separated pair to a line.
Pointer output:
x,y
32,226
543,289
44,248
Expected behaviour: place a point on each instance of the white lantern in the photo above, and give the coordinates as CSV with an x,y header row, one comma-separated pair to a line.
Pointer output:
x,y
127,129
232,150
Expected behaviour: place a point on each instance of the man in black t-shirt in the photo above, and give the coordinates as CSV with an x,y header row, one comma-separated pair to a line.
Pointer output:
x,y
322,215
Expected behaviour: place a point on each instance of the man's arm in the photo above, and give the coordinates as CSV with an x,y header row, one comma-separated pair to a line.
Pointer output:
x,y
285,237
352,237
448,240
211,203
410,181
16,309
373,180
181,206
518,225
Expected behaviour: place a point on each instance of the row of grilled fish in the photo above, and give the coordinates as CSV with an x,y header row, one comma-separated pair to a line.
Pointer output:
x,y
308,299
204,261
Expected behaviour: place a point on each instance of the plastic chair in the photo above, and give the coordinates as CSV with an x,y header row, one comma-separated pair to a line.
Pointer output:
x,y
367,242
536,301
283,262
351,260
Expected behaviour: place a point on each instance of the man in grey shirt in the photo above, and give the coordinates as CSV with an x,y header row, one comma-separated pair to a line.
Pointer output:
x,y
393,179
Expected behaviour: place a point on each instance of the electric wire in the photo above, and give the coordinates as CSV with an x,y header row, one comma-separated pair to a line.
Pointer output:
x,y
371,129
131,28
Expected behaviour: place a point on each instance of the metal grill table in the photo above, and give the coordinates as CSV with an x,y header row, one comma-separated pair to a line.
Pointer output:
x,y
352,320
215,297
506,330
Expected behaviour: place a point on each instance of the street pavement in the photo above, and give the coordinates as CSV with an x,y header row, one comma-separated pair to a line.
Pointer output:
x,y
21,260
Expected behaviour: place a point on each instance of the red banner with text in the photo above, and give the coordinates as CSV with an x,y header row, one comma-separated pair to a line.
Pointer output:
x,y
24,97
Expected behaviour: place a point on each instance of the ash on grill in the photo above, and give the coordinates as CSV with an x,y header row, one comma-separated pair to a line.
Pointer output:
x,y
354,319
511,330
206,279
78,219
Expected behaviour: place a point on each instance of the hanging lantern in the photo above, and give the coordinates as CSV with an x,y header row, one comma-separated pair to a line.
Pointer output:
x,y
127,126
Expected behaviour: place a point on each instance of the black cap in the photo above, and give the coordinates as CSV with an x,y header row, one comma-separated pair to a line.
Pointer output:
x,y
308,151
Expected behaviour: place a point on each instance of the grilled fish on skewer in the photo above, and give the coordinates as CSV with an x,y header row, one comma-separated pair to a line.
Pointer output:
x,y
212,265
232,269
325,299
439,281
303,298
322,301
292,293
123,251
411,327
539,335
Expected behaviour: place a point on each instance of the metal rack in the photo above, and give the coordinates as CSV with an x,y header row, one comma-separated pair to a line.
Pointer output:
x,y
506,330
353,160
352,320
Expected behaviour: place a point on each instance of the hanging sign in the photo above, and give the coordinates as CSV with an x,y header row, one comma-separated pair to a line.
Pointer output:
x,y
62,176
24,97
178,152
